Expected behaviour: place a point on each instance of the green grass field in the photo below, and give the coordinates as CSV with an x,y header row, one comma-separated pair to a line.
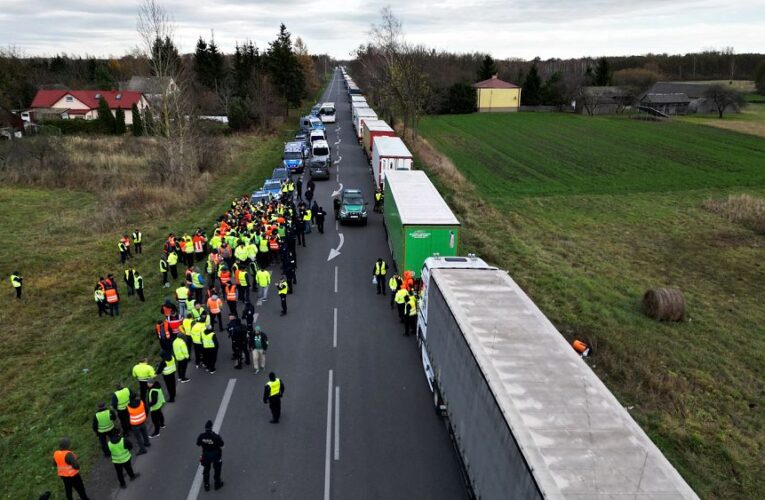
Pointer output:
x,y
58,358
587,214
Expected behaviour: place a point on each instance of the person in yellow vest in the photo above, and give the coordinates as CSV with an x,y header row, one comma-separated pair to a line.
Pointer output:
x,y
103,423
143,372
119,449
172,263
138,285
379,196
263,279
163,269
210,347
243,287
378,273
68,469
16,282
272,395
168,368
138,241
400,300
410,313
196,338
181,354
100,298
122,247
394,283
283,289
156,402
182,297
137,413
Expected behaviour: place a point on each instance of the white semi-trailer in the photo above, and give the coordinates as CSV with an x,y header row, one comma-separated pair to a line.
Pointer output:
x,y
529,418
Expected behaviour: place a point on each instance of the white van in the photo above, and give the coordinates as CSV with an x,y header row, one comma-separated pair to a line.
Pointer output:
x,y
316,135
327,112
320,151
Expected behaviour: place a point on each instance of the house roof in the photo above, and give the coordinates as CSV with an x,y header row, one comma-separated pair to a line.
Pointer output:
x,y
495,83
114,98
692,90
675,98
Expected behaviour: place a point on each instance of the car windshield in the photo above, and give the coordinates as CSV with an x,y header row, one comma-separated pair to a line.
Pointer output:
x,y
353,199
272,185
328,111
322,151
315,122
293,155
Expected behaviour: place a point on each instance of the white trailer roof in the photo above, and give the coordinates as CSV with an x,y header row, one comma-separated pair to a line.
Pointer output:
x,y
392,147
365,112
417,199
377,126
578,441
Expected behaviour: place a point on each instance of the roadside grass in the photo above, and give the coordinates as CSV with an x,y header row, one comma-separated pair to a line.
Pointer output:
x,y
59,359
586,214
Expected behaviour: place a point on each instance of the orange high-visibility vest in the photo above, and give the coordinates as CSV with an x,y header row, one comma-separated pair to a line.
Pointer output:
x,y
225,277
214,305
231,293
137,415
198,244
64,469
111,296
163,330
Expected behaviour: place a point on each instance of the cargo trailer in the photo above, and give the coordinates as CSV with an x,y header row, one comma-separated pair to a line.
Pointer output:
x,y
528,416
360,114
418,221
389,153
372,129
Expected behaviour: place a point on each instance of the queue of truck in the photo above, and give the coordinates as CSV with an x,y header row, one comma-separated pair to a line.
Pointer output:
x,y
527,415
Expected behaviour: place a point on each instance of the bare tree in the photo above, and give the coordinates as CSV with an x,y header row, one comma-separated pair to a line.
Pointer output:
x,y
590,99
724,97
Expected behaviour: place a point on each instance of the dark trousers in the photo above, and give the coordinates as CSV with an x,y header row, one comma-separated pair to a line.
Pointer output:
x,y
301,237
144,389
103,438
164,277
127,467
182,365
174,271
123,257
275,404
232,307
101,308
139,292
217,465
74,483
410,324
130,288
392,297
158,419
380,284
114,309
18,296
244,293
320,225
170,384
141,436
218,317
283,298
400,312
138,248
199,354
124,418
211,356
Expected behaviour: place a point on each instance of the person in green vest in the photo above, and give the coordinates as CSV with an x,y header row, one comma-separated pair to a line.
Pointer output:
x,y
119,449
100,297
168,368
210,348
163,268
17,281
181,354
172,263
103,424
138,241
138,285
394,283
120,399
156,402
197,329
283,289
400,300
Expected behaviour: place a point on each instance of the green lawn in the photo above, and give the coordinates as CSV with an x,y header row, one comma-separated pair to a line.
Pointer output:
x,y
58,358
587,213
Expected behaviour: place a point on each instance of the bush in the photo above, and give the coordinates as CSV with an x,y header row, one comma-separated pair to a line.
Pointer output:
x,y
759,78
74,126
460,98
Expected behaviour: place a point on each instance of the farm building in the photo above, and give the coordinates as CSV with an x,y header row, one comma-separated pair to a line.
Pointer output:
x,y
84,103
602,100
669,104
694,90
495,95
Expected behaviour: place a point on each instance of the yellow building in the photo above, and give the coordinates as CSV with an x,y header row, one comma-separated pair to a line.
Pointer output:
x,y
495,95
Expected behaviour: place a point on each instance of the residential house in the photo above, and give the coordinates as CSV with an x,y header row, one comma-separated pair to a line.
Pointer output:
x,y
669,104
69,104
495,95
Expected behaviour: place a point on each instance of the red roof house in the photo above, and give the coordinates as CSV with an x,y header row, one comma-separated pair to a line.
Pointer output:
x,y
84,103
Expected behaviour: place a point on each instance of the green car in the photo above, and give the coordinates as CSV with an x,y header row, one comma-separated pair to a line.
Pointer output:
x,y
351,207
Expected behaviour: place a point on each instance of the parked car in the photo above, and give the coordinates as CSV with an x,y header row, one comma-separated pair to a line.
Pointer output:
x,y
318,168
259,196
273,187
280,174
351,207
316,110
309,123
316,135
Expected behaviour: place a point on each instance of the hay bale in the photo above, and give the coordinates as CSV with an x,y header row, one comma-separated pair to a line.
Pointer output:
x,y
664,304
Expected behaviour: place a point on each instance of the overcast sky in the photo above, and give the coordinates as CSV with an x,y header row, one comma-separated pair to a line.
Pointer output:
x,y
503,28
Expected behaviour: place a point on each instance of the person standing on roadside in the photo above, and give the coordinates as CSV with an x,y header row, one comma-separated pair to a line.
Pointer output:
x,y
137,412
103,423
16,281
168,368
259,346
283,289
156,402
319,216
120,399
68,469
210,348
119,449
212,455
272,395
181,354
143,372
378,273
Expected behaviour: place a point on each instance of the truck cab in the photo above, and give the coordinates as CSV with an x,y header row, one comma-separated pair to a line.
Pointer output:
x,y
293,157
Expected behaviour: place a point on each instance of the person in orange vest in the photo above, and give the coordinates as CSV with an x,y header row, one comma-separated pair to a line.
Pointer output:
x,y
68,469
199,242
137,413
126,241
112,295
230,291
214,306
164,334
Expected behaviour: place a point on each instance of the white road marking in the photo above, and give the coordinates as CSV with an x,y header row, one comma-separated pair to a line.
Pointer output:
x,y
327,457
334,329
334,252
197,484
337,423
335,279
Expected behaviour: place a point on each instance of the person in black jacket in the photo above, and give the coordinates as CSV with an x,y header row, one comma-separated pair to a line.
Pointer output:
x,y
319,216
212,455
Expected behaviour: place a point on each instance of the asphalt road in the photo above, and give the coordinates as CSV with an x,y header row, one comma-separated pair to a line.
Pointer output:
x,y
357,418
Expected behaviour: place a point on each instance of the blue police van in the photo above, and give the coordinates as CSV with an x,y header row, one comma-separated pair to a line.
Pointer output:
x,y
294,156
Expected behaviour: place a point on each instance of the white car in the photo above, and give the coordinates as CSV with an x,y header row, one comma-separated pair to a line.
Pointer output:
x,y
327,112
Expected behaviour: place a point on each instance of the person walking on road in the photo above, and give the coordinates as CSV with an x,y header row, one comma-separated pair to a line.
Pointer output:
x,y
181,354
283,289
378,274
120,400
16,282
210,348
156,402
143,372
410,314
103,423
168,368
272,394
119,449
68,469
319,216
212,455
215,307
197,329
400,300
137,412
263,278
259,346
231,297
248,315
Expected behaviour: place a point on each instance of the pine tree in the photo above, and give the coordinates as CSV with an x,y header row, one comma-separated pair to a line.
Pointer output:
x,y
105,118
285,70
216,70
487,69
246,60
119,122
137,126
148,123
602,75
532,88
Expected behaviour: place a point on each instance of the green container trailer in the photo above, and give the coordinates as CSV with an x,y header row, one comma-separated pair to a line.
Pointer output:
x,y
418,221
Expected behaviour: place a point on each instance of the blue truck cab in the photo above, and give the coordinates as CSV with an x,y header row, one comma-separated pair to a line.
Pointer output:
x,y
293,157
